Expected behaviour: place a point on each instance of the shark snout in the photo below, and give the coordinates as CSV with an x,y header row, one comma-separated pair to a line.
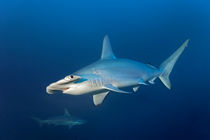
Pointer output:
x,y
62,85
57,86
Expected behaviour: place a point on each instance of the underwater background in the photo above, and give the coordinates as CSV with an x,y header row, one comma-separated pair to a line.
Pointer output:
x,y
42,41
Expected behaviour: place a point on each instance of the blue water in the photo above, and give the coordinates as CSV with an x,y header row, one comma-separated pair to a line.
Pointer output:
x,y
42,41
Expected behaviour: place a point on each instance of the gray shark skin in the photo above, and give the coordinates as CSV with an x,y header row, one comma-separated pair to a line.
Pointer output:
x,y
64,120
111,74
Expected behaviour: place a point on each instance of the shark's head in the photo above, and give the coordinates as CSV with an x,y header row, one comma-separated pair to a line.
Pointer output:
x,y
71,84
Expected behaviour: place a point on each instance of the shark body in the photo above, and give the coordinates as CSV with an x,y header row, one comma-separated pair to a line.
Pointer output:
x,y
63,120
111,74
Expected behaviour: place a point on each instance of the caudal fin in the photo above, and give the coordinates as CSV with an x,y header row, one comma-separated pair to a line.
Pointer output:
x,y
167,66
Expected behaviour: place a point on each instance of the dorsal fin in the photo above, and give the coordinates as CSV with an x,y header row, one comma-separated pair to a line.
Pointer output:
x,y
107,52
66,112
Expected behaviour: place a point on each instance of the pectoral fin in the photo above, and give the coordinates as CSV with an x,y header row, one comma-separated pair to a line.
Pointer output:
x,y
113,88
98,98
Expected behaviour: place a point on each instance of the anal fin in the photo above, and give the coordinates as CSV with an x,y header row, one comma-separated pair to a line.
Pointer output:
x,y
135,89
152,81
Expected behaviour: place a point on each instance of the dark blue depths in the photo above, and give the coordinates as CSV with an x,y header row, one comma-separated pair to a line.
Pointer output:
x,y
42,41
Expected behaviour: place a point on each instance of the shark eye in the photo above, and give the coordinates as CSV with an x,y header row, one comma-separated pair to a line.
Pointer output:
x,y
69,77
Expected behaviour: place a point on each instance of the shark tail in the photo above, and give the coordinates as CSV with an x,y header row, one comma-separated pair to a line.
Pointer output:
x,y
38,120
167,66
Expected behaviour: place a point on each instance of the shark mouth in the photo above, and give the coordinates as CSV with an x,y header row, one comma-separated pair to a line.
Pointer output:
x,y
64,89
51,90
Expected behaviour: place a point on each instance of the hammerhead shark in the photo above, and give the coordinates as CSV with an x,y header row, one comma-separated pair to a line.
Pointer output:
x,y
111,74
63,120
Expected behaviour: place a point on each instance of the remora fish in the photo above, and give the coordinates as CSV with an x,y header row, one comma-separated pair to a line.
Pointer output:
x,y
63,120
111,74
